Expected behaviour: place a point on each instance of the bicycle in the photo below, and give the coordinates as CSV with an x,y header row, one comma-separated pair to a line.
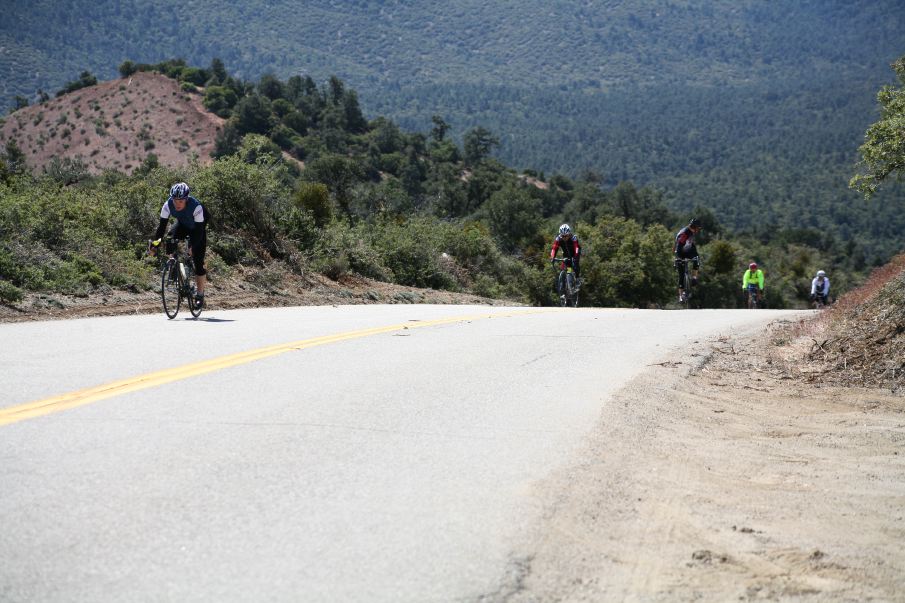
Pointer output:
x,y
754,301
566,284
819,301
687,281
177,280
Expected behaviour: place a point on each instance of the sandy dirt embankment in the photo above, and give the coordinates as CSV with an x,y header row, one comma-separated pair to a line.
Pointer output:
x,y
722,475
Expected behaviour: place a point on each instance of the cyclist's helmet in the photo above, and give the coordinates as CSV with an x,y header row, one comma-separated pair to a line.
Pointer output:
x,y
821,273
180,190
695,223
565,230
752,266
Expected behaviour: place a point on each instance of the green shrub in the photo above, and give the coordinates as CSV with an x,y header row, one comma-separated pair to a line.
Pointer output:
x,y
232,249
9,293
219,100
314,198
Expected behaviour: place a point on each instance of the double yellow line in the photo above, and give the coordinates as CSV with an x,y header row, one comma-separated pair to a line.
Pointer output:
x,y
82,397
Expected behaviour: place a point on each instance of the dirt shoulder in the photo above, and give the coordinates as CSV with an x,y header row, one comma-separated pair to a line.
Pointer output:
x,y
725,475
249,289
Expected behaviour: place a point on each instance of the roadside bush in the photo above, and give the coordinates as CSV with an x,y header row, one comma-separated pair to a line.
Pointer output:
x,y
9,293
412,250
300,227
342,248
231,248
314,198
624,264
242,196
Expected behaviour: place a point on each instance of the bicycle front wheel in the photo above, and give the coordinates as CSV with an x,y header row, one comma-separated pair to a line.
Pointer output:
x,y
686,279
170,285
571,293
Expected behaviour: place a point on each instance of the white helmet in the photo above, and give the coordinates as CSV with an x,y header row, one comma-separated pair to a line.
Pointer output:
x,y
820,273
565,229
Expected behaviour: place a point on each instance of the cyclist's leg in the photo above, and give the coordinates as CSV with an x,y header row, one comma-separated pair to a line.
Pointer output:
x,y
198,240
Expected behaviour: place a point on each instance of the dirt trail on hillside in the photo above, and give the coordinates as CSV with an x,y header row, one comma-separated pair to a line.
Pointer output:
x,y
721,476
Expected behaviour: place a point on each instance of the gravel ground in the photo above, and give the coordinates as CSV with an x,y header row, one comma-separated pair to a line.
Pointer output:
x,y
724,475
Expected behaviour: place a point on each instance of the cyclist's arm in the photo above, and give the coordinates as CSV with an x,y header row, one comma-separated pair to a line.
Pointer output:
x,y
555,248
164,218
745,279
680,242
161,228
760,280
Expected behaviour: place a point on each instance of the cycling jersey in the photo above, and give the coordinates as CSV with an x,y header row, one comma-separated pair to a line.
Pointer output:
x,y
191,214
570,248
752,278
684,246
818,288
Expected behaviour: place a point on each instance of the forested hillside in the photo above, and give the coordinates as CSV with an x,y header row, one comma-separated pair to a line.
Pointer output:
x,y
754,109
412,208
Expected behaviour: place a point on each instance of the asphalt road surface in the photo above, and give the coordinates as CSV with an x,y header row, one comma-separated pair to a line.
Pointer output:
x,y
359,453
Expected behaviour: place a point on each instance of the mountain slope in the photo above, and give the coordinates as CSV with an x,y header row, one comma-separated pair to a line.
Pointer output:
x,y
116,125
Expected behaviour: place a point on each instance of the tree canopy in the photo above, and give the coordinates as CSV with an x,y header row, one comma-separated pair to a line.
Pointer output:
x,y
883,151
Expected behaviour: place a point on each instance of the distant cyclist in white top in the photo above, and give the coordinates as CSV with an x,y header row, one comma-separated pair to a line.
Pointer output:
x,y
820,288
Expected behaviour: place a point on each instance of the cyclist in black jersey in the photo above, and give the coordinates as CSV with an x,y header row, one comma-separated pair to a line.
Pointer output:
x,y
191,221
685,249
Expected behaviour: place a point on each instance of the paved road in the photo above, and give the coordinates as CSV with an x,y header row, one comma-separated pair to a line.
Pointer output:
x,y
349,465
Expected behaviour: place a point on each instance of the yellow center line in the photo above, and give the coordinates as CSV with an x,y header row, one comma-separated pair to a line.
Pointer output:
x,y
82,397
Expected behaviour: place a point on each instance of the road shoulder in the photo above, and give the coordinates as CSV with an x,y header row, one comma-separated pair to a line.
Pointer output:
x,y
723,475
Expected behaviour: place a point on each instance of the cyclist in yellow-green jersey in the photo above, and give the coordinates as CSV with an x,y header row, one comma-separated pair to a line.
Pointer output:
x,y
753,283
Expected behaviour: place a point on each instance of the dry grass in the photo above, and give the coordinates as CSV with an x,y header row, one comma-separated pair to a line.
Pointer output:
x,y
860,341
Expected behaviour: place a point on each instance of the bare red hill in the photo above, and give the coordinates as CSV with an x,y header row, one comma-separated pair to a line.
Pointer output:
x,y
116,124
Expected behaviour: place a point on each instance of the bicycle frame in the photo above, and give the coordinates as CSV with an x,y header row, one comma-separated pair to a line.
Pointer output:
x,y
565,283
686,279
753,297
178,280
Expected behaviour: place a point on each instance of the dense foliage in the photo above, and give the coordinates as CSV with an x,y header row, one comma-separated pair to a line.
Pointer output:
x,y
883,152
751,108
408,207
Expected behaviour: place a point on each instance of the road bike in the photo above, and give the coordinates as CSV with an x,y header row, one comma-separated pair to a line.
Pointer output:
x,y
566,284
819,301
754,301
177,280
687,279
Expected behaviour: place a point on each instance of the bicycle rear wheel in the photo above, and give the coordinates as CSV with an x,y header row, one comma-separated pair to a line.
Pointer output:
x,y
194,307
170,287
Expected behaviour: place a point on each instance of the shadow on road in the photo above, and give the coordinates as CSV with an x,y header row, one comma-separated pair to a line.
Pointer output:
x,y
209,319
